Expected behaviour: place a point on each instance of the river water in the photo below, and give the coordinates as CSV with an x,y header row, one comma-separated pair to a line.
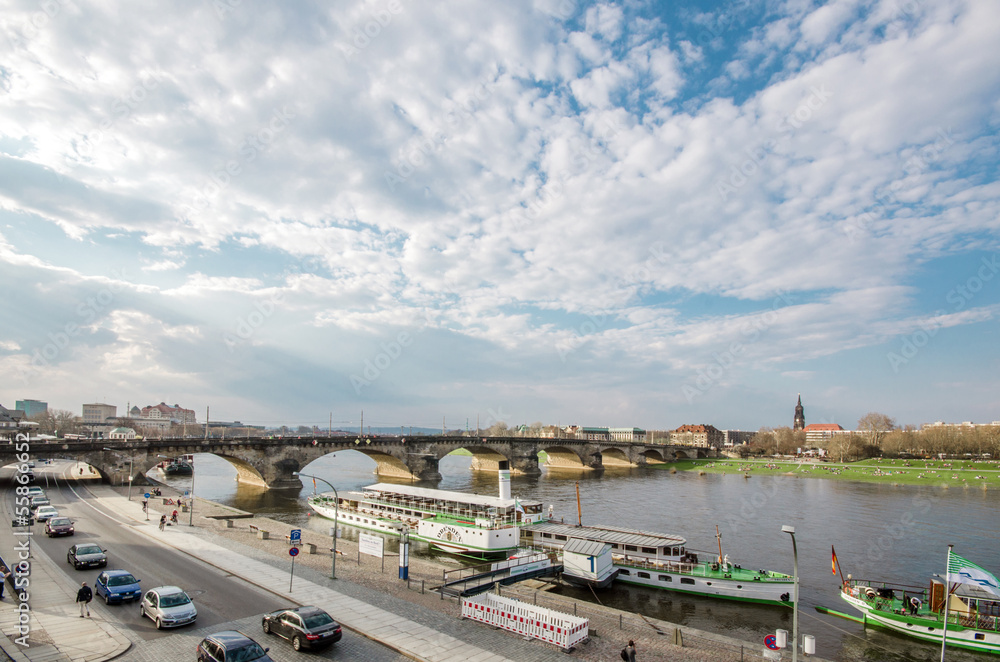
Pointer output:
x,y
895,534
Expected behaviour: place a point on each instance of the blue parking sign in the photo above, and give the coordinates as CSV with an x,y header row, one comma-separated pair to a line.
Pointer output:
x,y
295,535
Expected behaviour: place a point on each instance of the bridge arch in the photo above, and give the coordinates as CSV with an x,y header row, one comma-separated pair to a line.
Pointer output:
x,y
564,457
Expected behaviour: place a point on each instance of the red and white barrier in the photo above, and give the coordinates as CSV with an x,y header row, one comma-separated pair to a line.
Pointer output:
x,y
550,626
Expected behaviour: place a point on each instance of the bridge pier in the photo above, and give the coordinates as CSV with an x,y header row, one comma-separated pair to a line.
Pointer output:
x,y
525,465
424,467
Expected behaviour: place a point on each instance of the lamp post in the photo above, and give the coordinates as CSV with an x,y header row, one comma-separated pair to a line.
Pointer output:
x,y
131,458
790,530
336,521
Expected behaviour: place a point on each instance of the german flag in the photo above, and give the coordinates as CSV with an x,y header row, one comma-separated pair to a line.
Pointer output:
x,y
833,563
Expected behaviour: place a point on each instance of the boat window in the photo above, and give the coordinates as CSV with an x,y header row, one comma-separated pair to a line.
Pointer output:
x,y
665,578
708,583
980,636
644,575
560,537
631,548
625,572
739,586
546,535
649,550
687,580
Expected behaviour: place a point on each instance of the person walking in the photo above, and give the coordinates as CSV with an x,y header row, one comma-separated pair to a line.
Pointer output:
x,y
630,651
163,521
4,574
84,596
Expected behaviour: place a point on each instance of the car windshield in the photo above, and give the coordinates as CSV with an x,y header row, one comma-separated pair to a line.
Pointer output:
x,y
176,600
317,620
89,549
249,652
121,580
59,521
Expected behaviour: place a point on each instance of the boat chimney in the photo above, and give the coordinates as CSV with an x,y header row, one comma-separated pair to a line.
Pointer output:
x,y
504,479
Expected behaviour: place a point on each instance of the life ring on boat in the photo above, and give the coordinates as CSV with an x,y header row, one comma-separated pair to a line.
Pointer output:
x,y
870,592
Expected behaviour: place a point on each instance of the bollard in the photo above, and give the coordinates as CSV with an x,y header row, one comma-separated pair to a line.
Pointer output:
x,y
262,534
229,523
310,548
619,621
421,587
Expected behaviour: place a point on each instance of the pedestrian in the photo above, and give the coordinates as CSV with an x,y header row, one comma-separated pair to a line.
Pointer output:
x,y
163,521
4,574
84,596
628,654
144,505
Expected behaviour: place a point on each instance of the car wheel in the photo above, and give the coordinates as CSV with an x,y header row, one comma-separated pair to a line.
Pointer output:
x,y
142,612
297,643
159,624
107,598
267,627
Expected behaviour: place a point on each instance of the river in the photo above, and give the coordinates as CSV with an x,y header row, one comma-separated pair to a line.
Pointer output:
x,y
895,534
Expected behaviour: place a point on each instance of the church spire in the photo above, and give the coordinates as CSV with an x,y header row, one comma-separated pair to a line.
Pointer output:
x,y
799,422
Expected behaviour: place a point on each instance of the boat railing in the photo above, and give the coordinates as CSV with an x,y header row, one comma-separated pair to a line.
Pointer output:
x,y
874,594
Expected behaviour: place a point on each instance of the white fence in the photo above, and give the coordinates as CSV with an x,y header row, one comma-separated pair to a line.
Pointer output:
x,y
548,625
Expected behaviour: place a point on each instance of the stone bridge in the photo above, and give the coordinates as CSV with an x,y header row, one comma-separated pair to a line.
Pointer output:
x,y
271,462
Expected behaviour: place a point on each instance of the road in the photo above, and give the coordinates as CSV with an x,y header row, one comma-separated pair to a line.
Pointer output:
x,y
221,599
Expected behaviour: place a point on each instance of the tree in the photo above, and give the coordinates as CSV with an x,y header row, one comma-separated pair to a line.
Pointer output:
x,y
57,421
498,429
125,422
874,426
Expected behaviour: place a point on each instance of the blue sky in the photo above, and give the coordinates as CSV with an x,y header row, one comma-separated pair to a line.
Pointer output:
x,y
615,214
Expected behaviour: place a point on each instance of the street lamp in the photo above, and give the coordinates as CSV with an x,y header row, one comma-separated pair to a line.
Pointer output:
x,y
790,530
130,459
191,504
336,521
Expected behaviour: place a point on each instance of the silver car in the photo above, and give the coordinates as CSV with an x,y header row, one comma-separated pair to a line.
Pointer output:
x,y
168,606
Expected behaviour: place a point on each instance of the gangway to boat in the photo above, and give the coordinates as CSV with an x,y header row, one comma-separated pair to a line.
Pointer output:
x,y
476,579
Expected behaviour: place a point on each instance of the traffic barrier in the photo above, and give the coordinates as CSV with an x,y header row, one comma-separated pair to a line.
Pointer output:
x,y
525,619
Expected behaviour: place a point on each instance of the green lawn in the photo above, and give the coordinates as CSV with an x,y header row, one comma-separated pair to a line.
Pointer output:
x,y
942,473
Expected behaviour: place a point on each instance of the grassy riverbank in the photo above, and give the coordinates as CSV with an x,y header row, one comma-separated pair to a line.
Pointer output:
x,y
941,473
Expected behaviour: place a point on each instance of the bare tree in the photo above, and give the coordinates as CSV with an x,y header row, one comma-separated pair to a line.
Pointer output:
x,y
874,426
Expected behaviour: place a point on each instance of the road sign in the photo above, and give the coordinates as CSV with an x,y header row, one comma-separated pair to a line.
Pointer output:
x,y
295,535
294,551
771,642
146,495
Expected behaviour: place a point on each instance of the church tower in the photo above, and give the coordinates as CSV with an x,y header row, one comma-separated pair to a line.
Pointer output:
x,y
800,416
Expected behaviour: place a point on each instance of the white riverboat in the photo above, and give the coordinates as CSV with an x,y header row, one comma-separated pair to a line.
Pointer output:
x,y
662,561
455,522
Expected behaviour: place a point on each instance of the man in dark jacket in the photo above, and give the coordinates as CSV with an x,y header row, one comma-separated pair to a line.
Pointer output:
x,y
84,596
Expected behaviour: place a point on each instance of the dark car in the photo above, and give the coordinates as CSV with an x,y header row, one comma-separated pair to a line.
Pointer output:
x,y
305,627
59,526
87,555
117,586
231,646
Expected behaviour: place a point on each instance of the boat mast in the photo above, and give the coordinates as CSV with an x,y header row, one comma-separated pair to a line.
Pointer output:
x,y
579,511
947,599
718,536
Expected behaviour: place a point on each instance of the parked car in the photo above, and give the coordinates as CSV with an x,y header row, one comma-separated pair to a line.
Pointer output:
x,y
40,500
43,513
305,627
87,555
231,645
59,526
117,586
34,491
169,607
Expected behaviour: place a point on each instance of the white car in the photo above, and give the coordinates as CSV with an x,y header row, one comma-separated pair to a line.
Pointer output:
x,y
168,606
45,512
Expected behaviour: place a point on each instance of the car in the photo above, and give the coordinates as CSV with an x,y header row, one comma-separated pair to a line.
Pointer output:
x,y
58,526
117,586
169,607
305,627
31,464
43,513
87,555
34,491
40,500
231,645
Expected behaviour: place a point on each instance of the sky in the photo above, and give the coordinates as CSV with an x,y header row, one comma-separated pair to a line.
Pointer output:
x,y
606,214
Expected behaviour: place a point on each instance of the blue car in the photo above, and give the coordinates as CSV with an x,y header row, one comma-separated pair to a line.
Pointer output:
x,y
117,586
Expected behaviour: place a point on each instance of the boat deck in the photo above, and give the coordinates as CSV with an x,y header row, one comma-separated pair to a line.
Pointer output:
x,y
708,570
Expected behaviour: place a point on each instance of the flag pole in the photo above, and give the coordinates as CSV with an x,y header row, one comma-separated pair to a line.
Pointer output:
x,y
947,599
839,569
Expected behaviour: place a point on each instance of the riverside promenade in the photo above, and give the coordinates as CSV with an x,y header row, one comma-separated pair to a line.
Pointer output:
x,y
421,627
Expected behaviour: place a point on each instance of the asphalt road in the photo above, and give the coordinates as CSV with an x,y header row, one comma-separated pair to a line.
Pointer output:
x,y
220,598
